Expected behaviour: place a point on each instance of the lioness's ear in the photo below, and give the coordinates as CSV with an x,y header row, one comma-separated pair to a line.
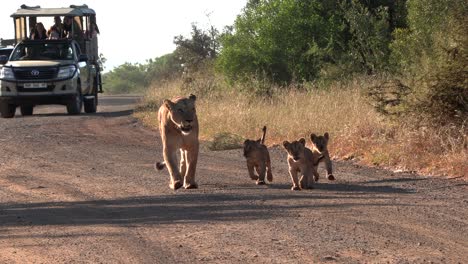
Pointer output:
x,y
168,103
286,144
326,135
313,137
193,97
246,141
302,141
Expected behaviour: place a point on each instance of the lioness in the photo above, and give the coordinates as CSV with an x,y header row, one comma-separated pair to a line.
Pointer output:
x,y
300,160
178,125
258,157
320,154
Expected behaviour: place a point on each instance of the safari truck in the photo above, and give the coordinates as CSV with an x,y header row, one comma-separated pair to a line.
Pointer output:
x,y
65,70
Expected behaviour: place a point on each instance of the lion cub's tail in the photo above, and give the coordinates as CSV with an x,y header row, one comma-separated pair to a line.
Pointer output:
x,y
159,165
262,140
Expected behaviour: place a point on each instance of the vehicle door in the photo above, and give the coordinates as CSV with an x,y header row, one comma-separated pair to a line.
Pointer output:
x,y
83,67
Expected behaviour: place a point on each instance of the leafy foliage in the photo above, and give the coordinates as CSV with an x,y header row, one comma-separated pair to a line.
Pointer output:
x,y
431,54
125,79
369,31
283,40
291,40
201,46
134,78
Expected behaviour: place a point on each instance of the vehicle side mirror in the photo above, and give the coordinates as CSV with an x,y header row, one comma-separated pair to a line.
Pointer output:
x,y
83,57
3,59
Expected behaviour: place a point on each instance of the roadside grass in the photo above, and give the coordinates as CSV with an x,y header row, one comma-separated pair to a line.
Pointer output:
x,y
358,132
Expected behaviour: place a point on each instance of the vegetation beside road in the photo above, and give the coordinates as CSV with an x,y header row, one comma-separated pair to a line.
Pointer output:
x,y
388,79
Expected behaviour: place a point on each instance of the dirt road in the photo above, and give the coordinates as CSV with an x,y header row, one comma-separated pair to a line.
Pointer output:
x,y
82,189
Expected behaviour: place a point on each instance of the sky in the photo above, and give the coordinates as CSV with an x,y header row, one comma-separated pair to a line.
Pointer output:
x,y
141,30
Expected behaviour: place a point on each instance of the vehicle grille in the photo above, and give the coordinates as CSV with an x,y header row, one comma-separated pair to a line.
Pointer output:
x,y
30,74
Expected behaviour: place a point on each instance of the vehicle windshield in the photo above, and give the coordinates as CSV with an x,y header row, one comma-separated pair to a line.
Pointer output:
x,y
5,52
42,51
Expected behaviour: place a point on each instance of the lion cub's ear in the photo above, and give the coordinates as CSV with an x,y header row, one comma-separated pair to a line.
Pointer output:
x,y
193,97
326,135
168,104
302,141
286,144
313,137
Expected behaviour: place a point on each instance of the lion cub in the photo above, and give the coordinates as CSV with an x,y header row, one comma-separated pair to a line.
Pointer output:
x,y
258,157
300,160
320,154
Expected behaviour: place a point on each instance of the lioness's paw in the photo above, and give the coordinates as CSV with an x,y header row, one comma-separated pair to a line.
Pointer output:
x,y
331,177
176,185
260,182
295,188
191,186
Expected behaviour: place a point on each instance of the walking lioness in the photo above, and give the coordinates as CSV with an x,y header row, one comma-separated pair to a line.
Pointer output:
x,y
178,125
257,156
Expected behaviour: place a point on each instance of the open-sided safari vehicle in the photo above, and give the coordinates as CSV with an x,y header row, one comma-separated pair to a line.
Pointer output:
x,y
57,69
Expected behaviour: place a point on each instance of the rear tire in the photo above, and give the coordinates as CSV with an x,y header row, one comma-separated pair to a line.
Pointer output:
x,y
7,110
75,105
26,110
90,104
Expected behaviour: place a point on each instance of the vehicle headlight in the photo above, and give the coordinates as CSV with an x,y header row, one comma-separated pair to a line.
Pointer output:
x,y
6,73
66,72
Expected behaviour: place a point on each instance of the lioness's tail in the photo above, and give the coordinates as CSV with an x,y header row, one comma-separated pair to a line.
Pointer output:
x,y
159,165
262,140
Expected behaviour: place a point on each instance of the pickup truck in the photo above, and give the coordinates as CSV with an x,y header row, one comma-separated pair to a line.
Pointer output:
x,y
47,72
65,70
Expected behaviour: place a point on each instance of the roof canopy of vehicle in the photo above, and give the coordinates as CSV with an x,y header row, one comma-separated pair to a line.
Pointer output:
x,y
37,11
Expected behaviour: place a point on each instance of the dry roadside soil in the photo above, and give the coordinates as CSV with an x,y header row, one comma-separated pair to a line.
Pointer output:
x,y
82,189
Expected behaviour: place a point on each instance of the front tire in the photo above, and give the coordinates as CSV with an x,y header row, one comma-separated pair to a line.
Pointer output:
x,y
7,110
75,105
27,110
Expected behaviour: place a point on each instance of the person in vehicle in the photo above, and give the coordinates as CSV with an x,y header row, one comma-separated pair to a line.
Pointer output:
x,y
67,26
39,32
30,53
93,30
57,30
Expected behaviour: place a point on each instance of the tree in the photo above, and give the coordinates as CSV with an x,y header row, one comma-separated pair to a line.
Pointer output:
x,y
163,68
126,78
432,56
369,35
201,46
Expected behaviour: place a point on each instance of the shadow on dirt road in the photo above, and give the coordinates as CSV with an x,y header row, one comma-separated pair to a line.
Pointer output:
x,y
82,189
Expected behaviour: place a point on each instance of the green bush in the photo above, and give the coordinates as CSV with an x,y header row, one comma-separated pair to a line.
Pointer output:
x,y
433,61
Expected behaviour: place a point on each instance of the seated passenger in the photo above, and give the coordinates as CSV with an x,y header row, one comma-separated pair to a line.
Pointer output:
x,y
30,53
39,32
56,31
53,33
67,26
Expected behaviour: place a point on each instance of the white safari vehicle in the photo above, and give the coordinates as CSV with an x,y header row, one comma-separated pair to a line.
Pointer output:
x,y
64,70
